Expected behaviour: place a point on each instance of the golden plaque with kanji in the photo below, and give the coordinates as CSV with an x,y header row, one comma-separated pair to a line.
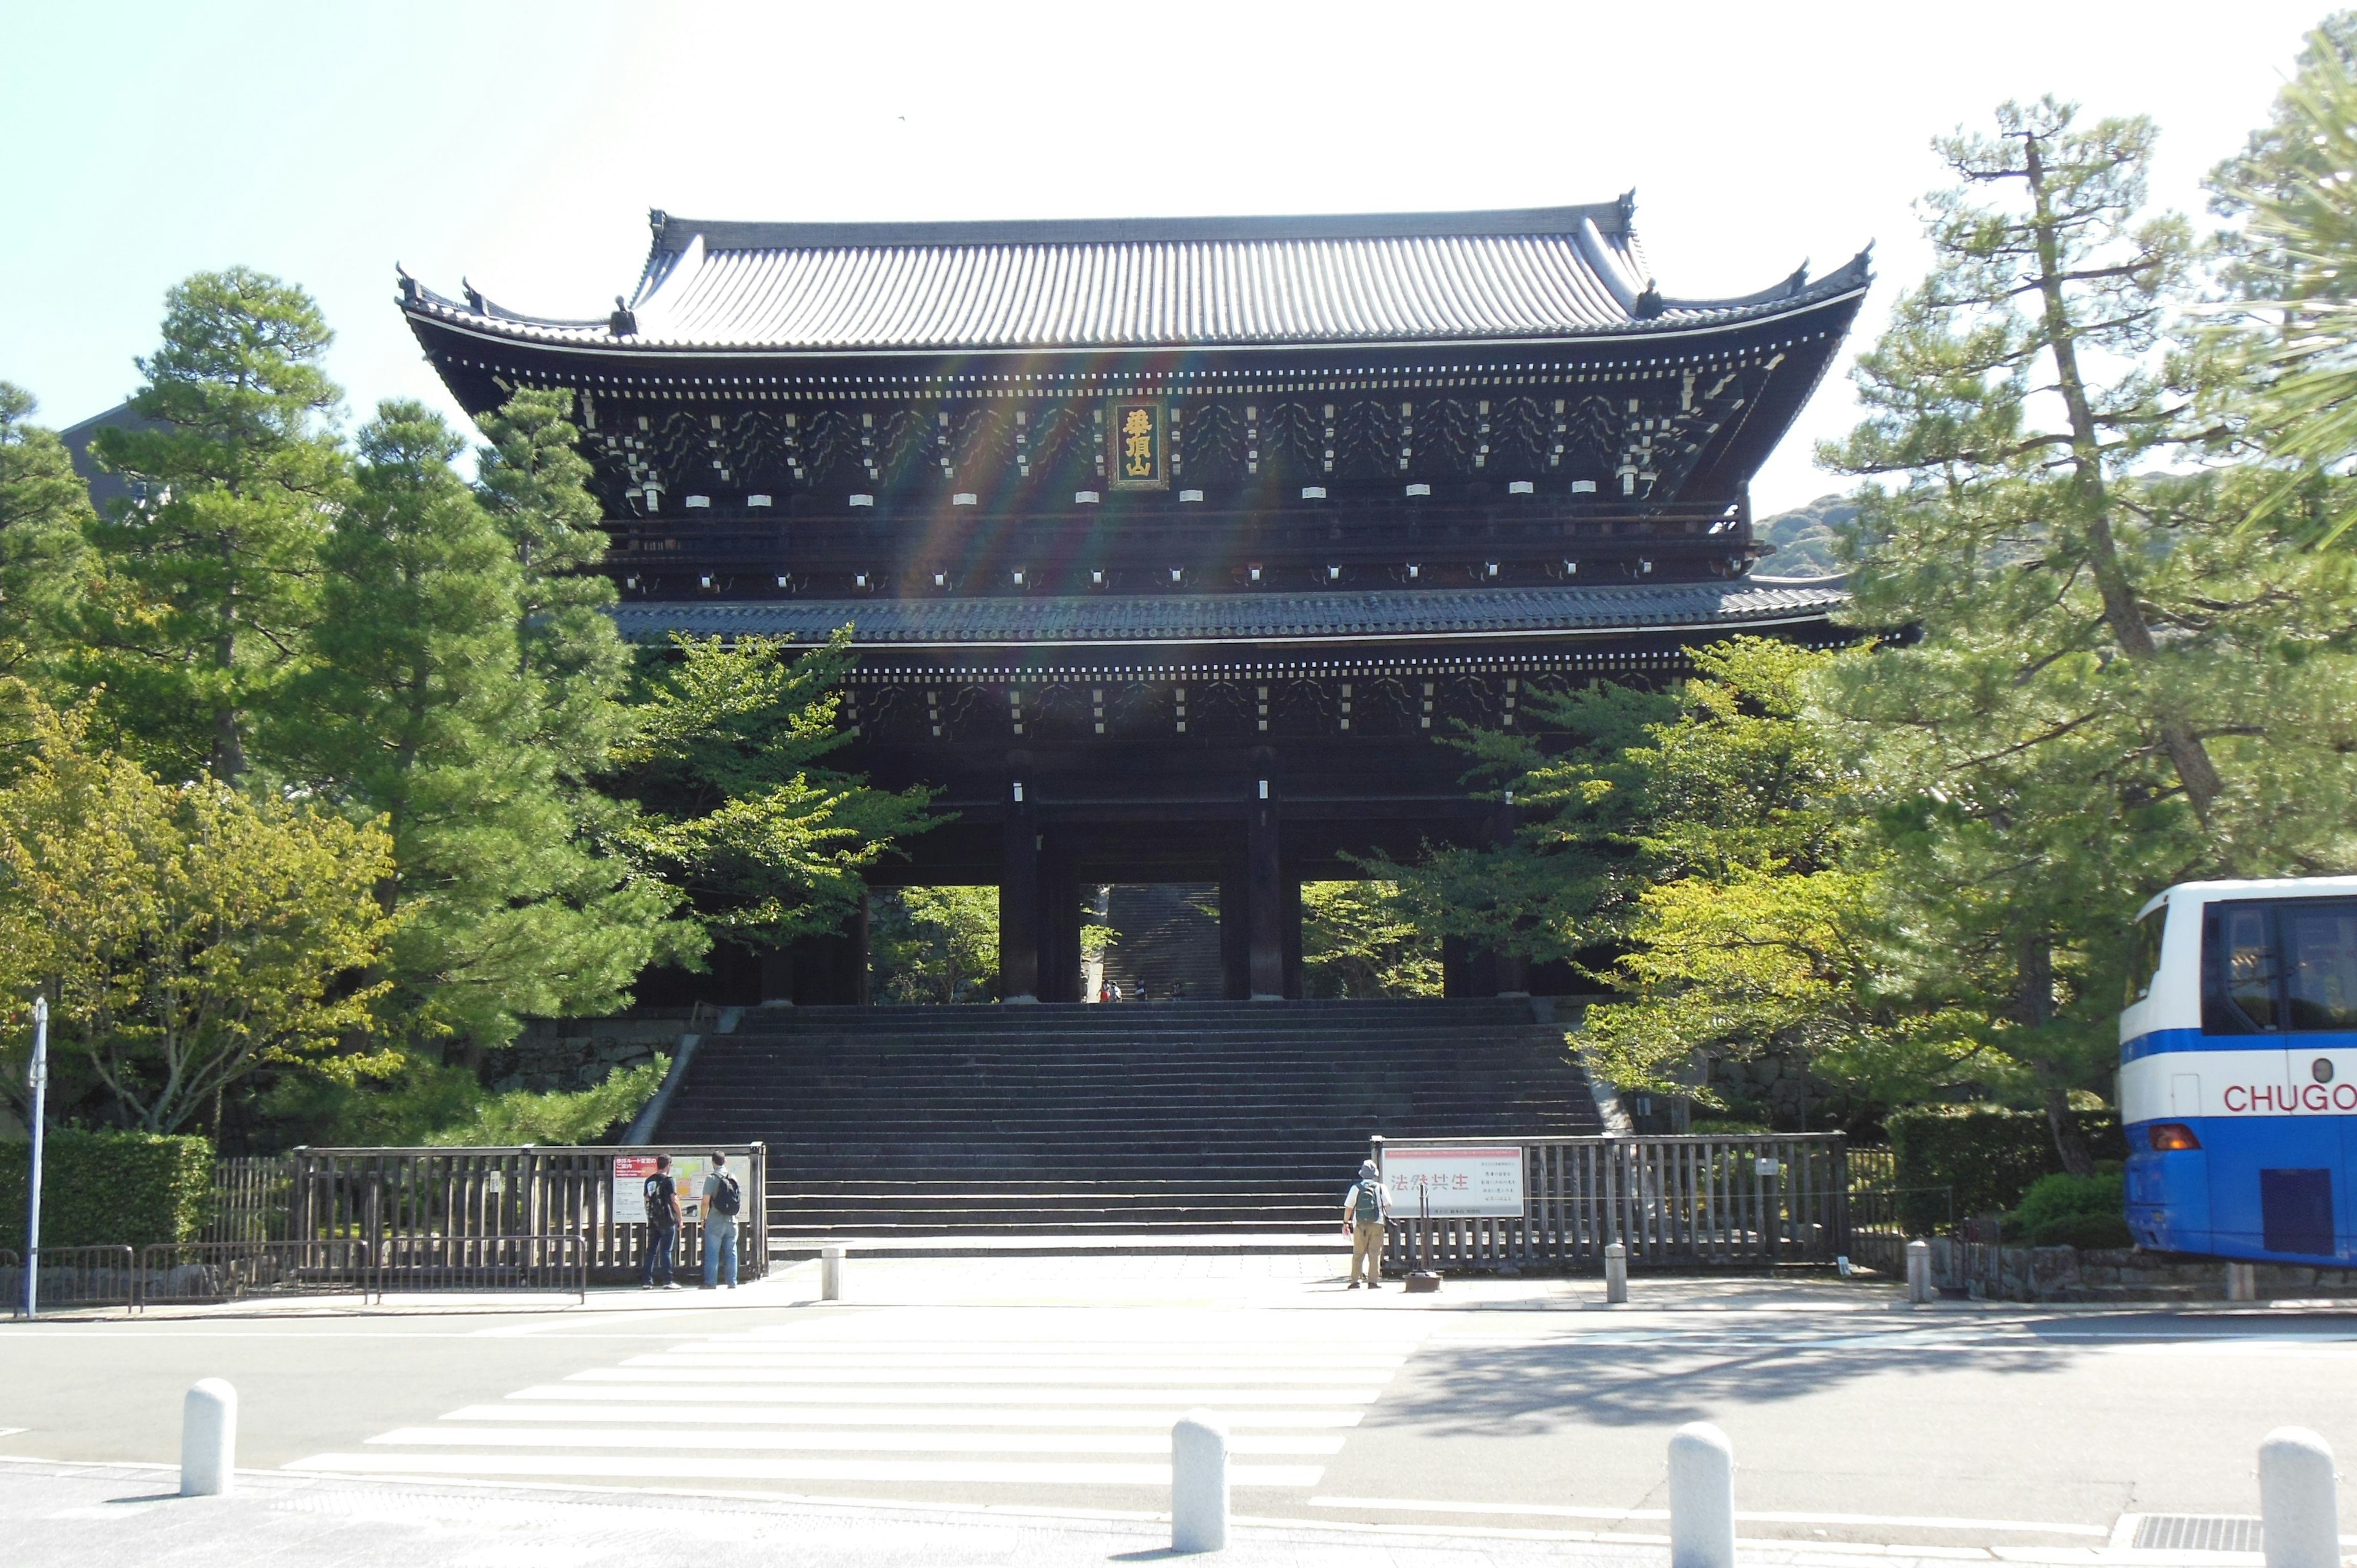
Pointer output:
x,y
1138,434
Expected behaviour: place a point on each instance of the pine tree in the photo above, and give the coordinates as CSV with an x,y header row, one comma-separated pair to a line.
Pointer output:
x,y
2112,683
44,509
205,588
420,703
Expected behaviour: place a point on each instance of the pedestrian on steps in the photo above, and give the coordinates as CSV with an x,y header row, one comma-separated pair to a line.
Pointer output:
x,y
722,1200
662,1194
1366,1208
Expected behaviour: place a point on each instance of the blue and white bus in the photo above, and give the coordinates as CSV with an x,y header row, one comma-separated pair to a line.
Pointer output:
x,y
2238,1072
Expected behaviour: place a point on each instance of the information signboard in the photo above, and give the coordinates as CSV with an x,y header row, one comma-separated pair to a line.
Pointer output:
x,y
1472,1182
630,1173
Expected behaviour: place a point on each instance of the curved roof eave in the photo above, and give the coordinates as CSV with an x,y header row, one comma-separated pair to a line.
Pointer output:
x,y
456,319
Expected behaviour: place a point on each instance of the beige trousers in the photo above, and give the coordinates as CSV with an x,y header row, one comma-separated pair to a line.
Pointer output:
x,y
1367,1251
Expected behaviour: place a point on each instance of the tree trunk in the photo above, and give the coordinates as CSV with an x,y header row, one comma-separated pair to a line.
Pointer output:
x,y
2034,1009
2122,611
2064,1122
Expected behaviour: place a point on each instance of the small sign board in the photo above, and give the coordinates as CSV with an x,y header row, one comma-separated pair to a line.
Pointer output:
x,y
1471,1182
1768,1166
630,1173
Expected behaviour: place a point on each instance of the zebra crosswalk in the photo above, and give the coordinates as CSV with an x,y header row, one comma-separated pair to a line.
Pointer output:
x,y
894,1401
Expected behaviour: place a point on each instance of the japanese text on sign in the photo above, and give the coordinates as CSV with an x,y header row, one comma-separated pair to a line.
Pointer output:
x,y
630,1174
1483,1182
1139,435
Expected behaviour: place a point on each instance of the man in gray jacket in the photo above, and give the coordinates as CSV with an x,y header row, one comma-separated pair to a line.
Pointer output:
x,y
1365,1209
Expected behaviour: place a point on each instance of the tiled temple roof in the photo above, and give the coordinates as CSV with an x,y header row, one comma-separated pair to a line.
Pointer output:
x,y
1535,274
1256,618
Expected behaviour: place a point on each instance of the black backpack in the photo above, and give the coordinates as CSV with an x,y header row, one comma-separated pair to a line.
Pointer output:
x,y
728,1197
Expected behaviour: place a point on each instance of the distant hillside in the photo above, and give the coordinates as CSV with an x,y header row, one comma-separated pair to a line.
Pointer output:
x,y
1804,538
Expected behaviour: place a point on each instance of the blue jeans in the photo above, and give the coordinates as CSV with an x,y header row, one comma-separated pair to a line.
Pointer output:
x,y
719,1241
660,1240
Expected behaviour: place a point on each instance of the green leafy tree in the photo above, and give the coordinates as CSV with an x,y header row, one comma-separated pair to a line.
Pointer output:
x,y
2111,683
44,509
934,944
1758,929
1560,881
734,805
1361,940
189,935
422,701
207,586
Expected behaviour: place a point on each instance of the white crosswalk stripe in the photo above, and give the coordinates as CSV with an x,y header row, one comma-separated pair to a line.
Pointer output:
x,y
884,1402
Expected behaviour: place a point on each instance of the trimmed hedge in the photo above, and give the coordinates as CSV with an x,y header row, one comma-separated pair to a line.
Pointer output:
x,y
2073,1211
104,1189
1986,1155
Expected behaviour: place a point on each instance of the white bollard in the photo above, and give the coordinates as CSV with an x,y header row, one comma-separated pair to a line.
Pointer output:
x,y
2300,1514
1919,1273
1199,1483
830,1273
2242,1282
208,1439
1702,1497
1616,1273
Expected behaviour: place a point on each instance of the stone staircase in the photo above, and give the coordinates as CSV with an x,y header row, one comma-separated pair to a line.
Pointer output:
x,y
1058,1123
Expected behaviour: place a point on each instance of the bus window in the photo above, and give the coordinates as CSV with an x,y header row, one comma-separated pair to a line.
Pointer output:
x,y
2240,962
2320,943
2144,967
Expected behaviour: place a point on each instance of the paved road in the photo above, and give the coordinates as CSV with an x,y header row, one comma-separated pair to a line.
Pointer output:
x,y
1512,1405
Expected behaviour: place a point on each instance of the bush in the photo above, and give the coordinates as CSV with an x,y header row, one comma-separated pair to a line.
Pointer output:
x,y
2058,1210
582,1117
107,1188
1985,1155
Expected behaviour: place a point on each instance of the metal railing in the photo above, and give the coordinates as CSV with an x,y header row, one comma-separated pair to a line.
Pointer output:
x,y
1673,1202
199,1272
483,1263
74,1276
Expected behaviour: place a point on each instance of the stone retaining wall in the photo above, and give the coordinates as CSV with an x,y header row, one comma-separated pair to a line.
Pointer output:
x,y
2070,1274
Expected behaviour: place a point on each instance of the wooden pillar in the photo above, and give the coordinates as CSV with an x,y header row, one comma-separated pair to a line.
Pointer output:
x,y
1289,929
1060,924
1263,884
1235,933
1018,900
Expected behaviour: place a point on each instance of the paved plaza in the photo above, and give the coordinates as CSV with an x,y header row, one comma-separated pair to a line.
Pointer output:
x,y
972,1409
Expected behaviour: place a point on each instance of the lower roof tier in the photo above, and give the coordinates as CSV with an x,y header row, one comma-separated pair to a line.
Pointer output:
x,y
1275,619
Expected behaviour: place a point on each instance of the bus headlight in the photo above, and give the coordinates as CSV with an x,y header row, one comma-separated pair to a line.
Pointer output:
x,y
2167,1137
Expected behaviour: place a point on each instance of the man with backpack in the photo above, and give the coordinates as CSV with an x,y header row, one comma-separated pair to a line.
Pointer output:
x,y
722,1200
1365,1209
663,1226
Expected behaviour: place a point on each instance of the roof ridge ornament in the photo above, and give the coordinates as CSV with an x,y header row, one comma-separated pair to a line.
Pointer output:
x,y
624,322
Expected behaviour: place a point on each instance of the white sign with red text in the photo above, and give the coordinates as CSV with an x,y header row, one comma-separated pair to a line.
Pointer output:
x,y
2303,1080
1470,1182
630,1173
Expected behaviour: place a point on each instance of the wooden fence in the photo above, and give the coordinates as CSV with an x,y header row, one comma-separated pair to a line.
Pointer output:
x,y
250,1199
414,1203
1698,1201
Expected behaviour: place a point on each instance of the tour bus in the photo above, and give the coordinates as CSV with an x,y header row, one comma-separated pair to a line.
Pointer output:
x,y
2238,1071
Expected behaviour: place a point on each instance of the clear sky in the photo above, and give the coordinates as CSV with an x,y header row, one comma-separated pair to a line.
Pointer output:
x,y
520,145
